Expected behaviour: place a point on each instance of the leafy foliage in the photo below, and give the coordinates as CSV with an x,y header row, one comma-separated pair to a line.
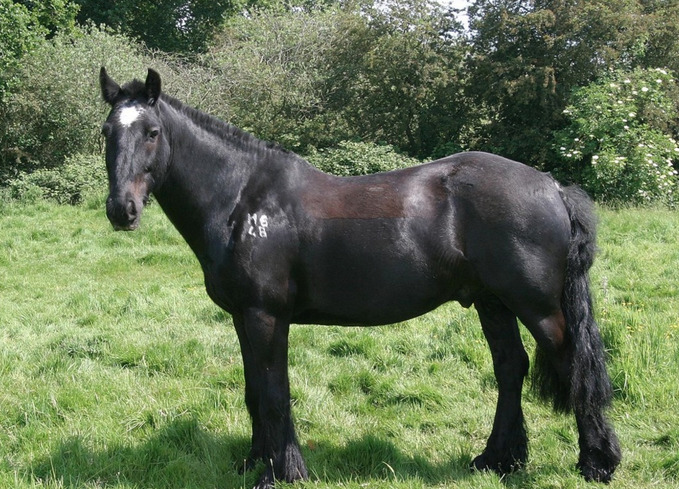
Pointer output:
x,y
394,76
24,25
659,43
315,78
618,143
53,15
527,56
55,111
354,158
79,177
311,74
271,66
169,25
19,34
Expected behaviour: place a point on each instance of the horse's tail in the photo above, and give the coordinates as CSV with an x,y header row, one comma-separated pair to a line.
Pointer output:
x,y
587,382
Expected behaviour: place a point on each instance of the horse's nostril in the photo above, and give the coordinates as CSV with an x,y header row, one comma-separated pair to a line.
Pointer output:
x,y
131,208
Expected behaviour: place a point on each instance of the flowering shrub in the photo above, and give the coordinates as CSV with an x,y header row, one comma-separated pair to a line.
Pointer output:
x,y
617,143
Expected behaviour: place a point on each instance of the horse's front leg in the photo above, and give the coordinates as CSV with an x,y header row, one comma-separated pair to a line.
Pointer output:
x,y
252,383
264,345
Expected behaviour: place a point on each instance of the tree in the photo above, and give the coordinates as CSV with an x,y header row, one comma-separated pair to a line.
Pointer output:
x,y
659,43
54,109
182,26
527,55
24,27
53,15
395,76
19,34
24,24
313,78
272,65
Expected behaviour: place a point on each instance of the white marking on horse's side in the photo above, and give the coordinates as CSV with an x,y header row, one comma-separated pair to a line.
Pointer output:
x,y
129,114
258,226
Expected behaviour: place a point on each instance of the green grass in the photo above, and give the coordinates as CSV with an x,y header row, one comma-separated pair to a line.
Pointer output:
x,y
116,371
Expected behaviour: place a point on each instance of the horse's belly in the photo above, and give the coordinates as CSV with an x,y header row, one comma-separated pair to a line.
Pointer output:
x,y
365,308
388,285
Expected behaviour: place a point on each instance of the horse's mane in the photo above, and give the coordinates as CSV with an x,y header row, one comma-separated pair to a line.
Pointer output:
x,y
245,140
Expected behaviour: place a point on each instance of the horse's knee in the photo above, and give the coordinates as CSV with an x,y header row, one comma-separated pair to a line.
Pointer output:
x,y
511,368
510,361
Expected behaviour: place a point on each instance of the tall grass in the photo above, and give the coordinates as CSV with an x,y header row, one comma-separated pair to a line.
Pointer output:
x,y
116,371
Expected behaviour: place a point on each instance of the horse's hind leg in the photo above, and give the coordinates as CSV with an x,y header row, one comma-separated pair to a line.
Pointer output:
x,y
569,368
507,446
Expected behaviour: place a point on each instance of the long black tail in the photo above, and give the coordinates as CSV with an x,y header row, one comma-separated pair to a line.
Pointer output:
x,y
587,382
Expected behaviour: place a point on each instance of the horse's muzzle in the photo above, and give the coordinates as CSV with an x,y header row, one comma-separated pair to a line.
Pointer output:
x,y
124,214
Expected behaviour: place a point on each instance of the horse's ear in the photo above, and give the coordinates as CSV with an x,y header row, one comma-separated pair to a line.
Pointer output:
x,y
109,89
152,86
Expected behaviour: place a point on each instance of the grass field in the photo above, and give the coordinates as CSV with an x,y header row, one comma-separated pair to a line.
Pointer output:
x,y
116,371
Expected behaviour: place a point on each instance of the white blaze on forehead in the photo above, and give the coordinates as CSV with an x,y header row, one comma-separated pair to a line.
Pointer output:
x,y
129,114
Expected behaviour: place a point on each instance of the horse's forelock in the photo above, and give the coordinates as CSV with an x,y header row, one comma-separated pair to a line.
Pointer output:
x,y
133,91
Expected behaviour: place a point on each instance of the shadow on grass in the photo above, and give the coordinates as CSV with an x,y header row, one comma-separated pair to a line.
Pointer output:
x,y
181,454
372,459
178,455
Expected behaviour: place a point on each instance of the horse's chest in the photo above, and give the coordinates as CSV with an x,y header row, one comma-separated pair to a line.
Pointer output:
x,y
251,267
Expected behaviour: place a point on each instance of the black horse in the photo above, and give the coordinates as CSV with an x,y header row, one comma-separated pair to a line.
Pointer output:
x,y
281,242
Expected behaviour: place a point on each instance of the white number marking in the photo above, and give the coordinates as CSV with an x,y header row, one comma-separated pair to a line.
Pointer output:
x,y
257,226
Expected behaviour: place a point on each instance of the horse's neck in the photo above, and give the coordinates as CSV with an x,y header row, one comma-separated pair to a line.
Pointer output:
x,y
204,171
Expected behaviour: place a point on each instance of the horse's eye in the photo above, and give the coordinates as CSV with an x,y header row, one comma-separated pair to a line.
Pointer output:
x,y
153,133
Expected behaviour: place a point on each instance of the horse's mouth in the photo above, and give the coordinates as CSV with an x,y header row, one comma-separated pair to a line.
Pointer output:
x,y
123,222
126,227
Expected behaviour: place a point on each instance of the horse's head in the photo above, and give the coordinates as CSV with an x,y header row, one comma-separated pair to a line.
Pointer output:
x,y
137,150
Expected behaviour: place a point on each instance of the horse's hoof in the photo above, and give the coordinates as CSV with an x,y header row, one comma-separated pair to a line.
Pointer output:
x,y
593,473
598,465
485,462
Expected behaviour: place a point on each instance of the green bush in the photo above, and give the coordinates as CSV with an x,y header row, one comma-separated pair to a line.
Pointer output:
x,y
56,110
313,78
272,67
355,158
19,34
618,143
80,177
